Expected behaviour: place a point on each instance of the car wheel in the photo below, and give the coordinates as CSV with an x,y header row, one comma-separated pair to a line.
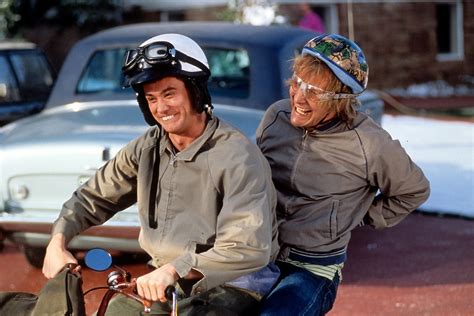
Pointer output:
x,y
34,256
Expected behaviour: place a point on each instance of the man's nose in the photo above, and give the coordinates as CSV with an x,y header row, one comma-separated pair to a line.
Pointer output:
x,y
159,106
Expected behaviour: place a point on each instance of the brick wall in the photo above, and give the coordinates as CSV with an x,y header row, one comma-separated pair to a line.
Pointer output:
x,y
468,38
399,40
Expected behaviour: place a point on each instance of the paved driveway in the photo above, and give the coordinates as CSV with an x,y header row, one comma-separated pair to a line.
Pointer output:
x,y
424,266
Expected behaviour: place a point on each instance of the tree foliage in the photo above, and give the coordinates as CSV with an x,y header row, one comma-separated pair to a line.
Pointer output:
x,y
88,15
7,17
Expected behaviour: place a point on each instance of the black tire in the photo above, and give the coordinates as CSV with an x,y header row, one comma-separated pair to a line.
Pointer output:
x,y
34,256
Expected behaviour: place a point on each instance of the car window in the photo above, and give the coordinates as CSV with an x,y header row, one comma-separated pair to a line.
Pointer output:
x,y
103,72
229,68
34,75
230,72
8,88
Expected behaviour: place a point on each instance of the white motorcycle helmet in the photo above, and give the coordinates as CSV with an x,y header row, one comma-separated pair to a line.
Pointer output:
x,y
168,55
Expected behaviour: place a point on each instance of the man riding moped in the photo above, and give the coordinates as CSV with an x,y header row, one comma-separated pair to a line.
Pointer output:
x,y
204,192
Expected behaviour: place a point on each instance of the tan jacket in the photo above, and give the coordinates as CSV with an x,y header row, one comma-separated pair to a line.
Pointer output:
x,y
214,206
329,181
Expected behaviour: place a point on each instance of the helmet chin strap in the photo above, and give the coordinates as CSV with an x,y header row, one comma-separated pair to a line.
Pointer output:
x,y
152,221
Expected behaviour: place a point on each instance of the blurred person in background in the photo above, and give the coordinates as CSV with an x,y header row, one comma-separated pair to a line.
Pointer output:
x,y
334,169
204,192
310,19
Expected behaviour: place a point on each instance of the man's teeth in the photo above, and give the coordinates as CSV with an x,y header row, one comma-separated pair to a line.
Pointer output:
x,y
301,111
167,118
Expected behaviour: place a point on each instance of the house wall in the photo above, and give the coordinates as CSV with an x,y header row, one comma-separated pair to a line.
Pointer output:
x,y
399,40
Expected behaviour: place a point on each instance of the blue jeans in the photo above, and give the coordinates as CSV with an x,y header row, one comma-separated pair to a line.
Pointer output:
x,y
300,292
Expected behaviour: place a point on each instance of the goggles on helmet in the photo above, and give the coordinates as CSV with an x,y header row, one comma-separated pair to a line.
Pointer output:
x,y
313,93
158,53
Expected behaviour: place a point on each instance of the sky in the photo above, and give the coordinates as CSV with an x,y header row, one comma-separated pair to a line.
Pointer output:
x,y
445,152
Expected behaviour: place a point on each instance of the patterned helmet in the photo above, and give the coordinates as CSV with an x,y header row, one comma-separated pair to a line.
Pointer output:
x,y
345,59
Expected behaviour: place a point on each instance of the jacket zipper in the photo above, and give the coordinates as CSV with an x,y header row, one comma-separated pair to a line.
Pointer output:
x,y
303,147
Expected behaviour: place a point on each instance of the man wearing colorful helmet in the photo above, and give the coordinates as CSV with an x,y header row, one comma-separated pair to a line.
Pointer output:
x,y
204,192
334,169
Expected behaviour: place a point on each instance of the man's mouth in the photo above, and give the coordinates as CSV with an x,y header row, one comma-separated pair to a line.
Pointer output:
x,y
167,118
301,111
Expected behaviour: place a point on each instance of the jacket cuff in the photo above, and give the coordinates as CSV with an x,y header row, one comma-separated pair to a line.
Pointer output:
x,y
60,226
183,264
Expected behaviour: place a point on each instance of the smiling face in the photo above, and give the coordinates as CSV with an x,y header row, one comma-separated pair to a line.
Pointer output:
x,y
171,106
310,113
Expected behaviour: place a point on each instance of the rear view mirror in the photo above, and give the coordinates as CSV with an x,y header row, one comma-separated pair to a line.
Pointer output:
x,y
98,259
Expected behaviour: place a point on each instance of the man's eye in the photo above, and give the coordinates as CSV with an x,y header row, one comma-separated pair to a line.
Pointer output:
x,y
313,92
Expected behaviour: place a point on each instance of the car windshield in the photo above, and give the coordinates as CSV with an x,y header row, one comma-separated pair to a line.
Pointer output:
x,y
230,72
8,88
229,68
33,75
24,76
103,72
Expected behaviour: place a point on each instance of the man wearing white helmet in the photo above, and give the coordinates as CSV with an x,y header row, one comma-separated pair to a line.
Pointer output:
x,y
203,190
334,169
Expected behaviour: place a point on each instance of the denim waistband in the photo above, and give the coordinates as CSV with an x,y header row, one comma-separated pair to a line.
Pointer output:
x,y
321,258
260,282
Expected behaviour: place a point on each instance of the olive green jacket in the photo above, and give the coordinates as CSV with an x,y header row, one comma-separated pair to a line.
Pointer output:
x,y
215,203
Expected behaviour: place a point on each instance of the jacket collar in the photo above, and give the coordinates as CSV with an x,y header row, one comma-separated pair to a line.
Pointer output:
x,y
333,126
189,152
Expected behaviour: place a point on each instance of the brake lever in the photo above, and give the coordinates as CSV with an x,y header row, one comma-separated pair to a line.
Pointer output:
x,y
172,294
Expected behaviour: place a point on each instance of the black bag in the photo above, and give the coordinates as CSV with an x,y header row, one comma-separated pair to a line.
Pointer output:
x,y
61,295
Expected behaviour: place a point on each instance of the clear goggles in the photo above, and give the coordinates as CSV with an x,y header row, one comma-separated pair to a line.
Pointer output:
x,y
158,53
313,93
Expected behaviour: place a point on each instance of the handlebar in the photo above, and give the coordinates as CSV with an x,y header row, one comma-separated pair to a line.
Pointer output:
x,y
119,282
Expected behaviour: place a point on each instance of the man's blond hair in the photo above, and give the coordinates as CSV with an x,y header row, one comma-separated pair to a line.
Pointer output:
x,y
345,108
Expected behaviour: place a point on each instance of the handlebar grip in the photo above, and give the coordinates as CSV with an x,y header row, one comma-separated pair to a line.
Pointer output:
x,y
169,291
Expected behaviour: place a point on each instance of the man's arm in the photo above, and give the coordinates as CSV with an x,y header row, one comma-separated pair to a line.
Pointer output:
x,y
111,189
402,184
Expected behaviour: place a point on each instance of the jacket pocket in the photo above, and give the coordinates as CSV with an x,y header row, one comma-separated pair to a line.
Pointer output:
x,y
333,219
